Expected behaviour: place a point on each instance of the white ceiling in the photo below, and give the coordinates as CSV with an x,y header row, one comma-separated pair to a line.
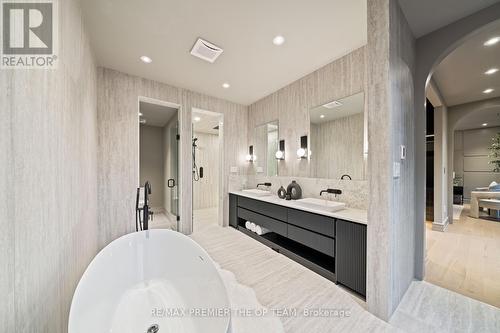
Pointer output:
x,y
425,16
460,76
350,106
490,116
156,115
316,32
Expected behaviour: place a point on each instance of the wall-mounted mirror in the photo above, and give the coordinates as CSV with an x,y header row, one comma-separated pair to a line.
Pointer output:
x,y
266,145
337,139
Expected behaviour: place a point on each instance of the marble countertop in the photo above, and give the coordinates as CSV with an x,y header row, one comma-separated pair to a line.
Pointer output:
x,y
349,214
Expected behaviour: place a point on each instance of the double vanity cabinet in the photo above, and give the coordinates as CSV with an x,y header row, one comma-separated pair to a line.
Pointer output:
x,y
333,244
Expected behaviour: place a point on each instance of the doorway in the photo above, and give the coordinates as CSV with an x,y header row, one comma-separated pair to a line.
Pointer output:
x,y
159,162
207,152
461,252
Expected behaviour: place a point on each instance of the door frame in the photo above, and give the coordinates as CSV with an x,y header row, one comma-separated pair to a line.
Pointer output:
x,y
180,164
220,194
431,50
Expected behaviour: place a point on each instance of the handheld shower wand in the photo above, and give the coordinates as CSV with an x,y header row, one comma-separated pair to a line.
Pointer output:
x,y
196,175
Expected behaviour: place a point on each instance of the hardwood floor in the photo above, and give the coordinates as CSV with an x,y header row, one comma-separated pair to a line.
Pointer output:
x,y
281,283
466,258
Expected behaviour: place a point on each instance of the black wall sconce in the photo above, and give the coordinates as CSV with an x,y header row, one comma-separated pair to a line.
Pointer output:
x,y
302,151
250,157
280,154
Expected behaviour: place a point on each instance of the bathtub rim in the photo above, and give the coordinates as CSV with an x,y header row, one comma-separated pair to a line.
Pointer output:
x,y
145,233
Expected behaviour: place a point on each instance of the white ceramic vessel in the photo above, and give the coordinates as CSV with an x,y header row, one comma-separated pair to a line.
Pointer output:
x,y
155,277
321,204
258,193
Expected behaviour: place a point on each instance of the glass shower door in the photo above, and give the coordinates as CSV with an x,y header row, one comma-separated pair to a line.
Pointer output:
x,y
174,171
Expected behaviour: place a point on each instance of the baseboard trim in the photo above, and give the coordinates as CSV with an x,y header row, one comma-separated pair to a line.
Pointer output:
x,y
440,226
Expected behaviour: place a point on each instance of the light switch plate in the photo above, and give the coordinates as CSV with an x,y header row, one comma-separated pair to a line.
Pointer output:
x,y
396,170
402,150
260,169
234,169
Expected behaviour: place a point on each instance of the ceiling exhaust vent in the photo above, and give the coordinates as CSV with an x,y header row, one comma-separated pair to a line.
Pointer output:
x,y
206,50
332,105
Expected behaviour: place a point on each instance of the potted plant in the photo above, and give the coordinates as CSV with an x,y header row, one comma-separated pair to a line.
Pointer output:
x,y
495,153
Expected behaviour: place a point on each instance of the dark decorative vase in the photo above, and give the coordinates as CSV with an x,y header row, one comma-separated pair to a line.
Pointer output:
x,y
294,190
281,192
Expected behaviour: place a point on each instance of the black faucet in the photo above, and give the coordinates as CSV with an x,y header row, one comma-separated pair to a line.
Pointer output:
x,y
265,184
345,176
331,191
145,210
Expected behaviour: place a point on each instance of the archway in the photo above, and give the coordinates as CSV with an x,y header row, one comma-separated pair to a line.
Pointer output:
x,y
431,50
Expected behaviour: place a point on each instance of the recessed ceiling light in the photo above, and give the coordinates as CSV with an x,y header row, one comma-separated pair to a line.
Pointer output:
x,y
322,116
487,91
492,41
491,71
226,85
485,124
196,118
278,40
146,59
140,114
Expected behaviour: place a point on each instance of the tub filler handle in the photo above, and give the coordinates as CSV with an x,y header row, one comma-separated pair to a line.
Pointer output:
x,y
153,328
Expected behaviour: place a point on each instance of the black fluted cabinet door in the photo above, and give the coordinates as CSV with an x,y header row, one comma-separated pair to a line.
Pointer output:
x,y
351,255
233,210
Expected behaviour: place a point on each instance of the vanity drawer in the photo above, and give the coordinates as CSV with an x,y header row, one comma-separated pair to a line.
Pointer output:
x,y
313,240
318,223
264,208
264,221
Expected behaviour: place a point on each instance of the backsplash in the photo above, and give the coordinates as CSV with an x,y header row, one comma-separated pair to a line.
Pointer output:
x,y
354,192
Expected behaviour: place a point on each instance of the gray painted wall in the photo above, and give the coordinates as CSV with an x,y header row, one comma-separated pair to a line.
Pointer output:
x,y
471,158
151,163
49,152
455,114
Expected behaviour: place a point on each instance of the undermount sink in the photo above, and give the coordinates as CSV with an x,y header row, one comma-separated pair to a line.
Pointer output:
x,y
256,192
321,204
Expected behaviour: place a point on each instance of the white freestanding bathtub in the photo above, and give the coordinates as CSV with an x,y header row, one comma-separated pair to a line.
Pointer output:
x,y
155,277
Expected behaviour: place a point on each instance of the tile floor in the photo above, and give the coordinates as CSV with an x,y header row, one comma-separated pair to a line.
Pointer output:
x,y
280,283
